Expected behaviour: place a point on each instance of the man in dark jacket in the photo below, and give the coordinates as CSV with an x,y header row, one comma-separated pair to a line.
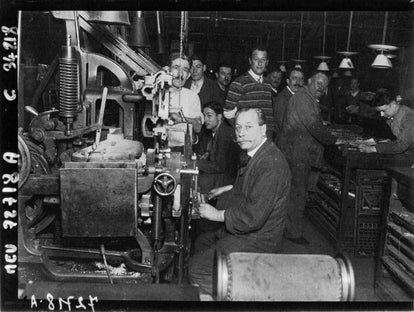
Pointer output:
x,y
223,75
207,91
301,140
206,88
253,209
218,166
280,102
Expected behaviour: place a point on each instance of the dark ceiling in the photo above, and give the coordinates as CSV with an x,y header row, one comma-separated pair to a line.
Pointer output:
x,y
234,31
228,36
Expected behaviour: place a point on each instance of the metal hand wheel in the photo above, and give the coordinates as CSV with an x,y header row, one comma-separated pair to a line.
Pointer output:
x,y
165,184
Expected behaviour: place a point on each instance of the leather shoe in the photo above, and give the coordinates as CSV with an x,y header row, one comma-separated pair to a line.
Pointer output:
x,y
299,240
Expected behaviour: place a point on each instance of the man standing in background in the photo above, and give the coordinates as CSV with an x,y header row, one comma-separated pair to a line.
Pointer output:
x,y
281,101
301,140
223,75
207,91
252,89
276,81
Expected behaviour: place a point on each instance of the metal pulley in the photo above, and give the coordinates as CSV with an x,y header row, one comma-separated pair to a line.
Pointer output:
x,y
165,184
282,277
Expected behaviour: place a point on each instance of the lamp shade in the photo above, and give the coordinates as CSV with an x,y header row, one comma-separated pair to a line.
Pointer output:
x,y
346,63
109,17
323,66
138,37
381,61
335,75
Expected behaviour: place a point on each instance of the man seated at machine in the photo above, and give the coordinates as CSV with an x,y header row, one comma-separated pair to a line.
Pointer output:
x,y
184,104
253,210
218,166
400,119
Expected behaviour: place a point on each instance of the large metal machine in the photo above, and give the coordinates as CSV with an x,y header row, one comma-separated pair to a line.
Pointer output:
x,y
98,210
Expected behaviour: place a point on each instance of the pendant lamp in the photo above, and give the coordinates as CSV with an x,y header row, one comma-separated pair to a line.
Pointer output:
x,y
283,62
138,36
346,62
299,61
383,58
323,66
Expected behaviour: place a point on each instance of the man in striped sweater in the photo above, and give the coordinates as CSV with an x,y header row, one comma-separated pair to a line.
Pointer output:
x,y
252,90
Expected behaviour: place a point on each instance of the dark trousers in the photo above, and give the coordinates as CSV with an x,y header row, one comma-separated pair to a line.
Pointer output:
x,y
201,266
297,199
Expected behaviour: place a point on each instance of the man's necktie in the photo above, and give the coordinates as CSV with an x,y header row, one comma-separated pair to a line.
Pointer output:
x,y
244,159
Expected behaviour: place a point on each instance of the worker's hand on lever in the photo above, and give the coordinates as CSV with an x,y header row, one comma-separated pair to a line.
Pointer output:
x,y
215,192
208,212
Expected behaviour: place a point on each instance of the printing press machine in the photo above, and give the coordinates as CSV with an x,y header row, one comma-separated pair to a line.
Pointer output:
x,y
98,211
105,200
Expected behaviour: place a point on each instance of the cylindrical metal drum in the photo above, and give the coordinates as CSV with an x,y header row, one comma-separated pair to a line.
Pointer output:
x,y
279,277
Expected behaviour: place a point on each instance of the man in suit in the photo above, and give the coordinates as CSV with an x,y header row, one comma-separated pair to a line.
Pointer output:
x,y
252,210
276,81
280,102
301,140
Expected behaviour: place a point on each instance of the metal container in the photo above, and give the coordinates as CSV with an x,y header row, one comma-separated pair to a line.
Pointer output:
x,y
274,277
98,199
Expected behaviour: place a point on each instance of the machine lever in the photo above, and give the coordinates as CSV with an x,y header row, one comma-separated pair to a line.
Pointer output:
x,y
101,115
31,110
97,255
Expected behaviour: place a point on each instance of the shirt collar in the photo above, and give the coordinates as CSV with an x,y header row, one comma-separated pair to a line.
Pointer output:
x,y
255,76
355,93
221,86
398,116
252,152
196,85
274,90
306,88
290,90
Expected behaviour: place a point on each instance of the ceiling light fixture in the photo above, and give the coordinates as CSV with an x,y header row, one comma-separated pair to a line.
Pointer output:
x,y
383,60
323,66
346,62
299,61
282,62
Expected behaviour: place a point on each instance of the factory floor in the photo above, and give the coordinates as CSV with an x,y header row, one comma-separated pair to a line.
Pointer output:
x,y
364,267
